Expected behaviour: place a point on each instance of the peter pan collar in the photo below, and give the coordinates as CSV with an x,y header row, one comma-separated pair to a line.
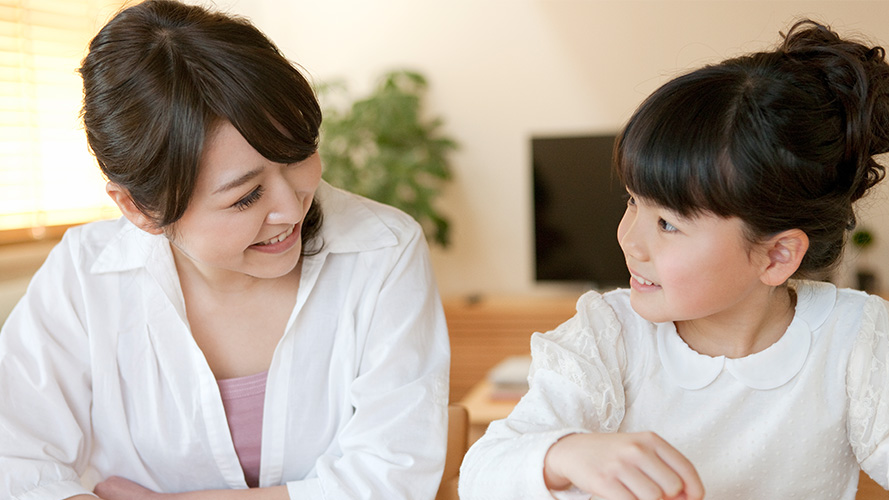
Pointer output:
x,y
767,369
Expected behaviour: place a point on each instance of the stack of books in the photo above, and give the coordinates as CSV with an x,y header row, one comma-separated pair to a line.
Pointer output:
x,y
509,378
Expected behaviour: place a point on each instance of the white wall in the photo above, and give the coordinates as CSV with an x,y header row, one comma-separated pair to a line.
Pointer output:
x,y
503,70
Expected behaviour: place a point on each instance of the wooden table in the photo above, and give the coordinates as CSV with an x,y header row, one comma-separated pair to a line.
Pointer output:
x,y
483,410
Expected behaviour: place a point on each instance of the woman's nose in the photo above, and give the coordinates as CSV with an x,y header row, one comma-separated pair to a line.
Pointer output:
x,y
286,206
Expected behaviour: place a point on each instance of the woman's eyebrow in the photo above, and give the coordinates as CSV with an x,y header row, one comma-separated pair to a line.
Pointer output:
x,y
239,181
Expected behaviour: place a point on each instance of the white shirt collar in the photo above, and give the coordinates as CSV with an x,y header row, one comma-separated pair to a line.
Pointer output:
x,y
767,369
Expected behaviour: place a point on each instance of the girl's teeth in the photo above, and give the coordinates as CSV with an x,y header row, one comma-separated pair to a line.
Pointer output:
x,y
642,280
278,238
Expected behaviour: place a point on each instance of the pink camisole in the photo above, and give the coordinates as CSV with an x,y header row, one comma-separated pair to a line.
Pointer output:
x,y
243,399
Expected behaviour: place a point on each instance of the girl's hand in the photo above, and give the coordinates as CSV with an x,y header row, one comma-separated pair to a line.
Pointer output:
x,y
118,488
639,466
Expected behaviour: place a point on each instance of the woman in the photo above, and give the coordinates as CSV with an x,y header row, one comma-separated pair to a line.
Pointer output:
x,y
219,335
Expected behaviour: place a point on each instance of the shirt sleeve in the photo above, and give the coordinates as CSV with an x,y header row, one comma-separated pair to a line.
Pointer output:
x,y
45,382
867,381
394,445
575,386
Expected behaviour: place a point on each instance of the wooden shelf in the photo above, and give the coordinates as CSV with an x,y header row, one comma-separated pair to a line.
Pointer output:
x,y
487,330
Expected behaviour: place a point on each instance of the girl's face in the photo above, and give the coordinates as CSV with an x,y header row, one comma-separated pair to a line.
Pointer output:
x,y
687,269
246,213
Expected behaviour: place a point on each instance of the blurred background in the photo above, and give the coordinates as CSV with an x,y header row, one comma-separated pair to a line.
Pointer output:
x,y
499,73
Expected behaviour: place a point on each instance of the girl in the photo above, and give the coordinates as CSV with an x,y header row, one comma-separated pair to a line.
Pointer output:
x,y
718,369
244,324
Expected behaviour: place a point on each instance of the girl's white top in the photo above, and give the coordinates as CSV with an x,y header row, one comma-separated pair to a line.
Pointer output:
x,y
791,422
100,375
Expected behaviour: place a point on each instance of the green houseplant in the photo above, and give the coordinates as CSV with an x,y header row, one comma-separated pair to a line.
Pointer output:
x,y
381,147
863,239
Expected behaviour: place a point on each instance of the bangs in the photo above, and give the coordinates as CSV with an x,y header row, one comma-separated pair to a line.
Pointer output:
x,y
160,77
266,98
676,149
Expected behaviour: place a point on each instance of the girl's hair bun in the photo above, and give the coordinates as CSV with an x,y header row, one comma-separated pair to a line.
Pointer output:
x,y
858,76
782,139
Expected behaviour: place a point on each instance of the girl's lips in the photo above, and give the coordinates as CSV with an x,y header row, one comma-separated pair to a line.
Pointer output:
x,y
642,281
639,283
280,243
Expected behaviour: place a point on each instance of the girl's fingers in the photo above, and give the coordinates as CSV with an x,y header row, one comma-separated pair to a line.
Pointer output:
x,y
691,482
610,489
644,486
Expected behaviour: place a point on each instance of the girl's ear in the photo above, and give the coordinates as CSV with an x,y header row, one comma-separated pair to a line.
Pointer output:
x,y
124,201
785,252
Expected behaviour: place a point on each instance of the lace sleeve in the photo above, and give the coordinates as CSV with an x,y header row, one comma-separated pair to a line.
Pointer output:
x,y
867,382
575,387
587,351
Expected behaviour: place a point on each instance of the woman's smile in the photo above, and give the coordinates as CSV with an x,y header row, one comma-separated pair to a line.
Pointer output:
x,y
281,242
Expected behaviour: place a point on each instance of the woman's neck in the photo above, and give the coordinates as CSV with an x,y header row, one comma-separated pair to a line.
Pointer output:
x,y
743,331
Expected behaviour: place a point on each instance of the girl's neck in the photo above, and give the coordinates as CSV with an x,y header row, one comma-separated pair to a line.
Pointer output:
x,y
744,332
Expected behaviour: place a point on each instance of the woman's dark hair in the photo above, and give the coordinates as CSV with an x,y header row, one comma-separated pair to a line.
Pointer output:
x,y
158,79
782,139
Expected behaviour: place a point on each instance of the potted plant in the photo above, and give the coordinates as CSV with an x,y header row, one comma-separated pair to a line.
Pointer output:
x,y
381,147
863,240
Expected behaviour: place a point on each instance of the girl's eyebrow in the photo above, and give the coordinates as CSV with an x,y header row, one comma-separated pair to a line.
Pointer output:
x,y
239,181
674,214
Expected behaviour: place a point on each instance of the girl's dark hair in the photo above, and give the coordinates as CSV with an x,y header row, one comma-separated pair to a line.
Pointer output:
x,y
161,75
782,139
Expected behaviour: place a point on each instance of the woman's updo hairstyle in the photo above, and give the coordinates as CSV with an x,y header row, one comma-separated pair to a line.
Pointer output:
x,y
162,75
782,139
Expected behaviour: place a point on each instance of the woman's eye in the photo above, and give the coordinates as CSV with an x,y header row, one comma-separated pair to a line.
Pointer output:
x,y
250,199
666,226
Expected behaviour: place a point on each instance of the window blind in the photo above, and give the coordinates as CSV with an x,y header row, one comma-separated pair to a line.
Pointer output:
x,y
47,175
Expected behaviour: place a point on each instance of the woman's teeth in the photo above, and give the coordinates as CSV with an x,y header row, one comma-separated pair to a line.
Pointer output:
x,y
642,280
278,238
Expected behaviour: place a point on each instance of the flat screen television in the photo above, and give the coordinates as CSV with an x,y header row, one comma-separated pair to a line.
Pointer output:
x,y
578,204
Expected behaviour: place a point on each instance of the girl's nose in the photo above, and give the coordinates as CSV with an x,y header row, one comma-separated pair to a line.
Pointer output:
x,y
629,238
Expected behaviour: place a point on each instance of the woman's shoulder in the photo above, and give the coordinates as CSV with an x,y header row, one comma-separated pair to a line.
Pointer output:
x,y
85,243
354,221
111,245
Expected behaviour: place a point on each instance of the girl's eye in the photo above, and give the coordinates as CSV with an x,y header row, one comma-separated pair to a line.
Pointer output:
x,y
666,226
250,199
631,202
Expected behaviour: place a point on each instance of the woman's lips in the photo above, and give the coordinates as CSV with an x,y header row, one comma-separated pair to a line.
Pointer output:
x,y
280,243
276,239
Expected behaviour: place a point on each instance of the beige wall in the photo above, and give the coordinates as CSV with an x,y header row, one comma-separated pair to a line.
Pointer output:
x,y
503,70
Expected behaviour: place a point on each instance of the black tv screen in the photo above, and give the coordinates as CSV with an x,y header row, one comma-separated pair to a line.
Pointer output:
x,y
578,204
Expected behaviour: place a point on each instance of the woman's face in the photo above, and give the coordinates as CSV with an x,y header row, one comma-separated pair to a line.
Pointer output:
x,y
246,213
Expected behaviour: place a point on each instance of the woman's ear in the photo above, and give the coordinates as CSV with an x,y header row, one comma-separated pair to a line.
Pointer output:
x,y
127,206
785,252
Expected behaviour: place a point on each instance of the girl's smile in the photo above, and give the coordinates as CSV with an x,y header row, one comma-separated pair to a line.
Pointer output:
x,y
641,284
689,268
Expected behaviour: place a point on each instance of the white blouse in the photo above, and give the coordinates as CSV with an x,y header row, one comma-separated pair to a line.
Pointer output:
x,y
100,374
794,421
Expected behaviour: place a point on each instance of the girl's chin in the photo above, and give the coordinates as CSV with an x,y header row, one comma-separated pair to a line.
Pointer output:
x,y
648,311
